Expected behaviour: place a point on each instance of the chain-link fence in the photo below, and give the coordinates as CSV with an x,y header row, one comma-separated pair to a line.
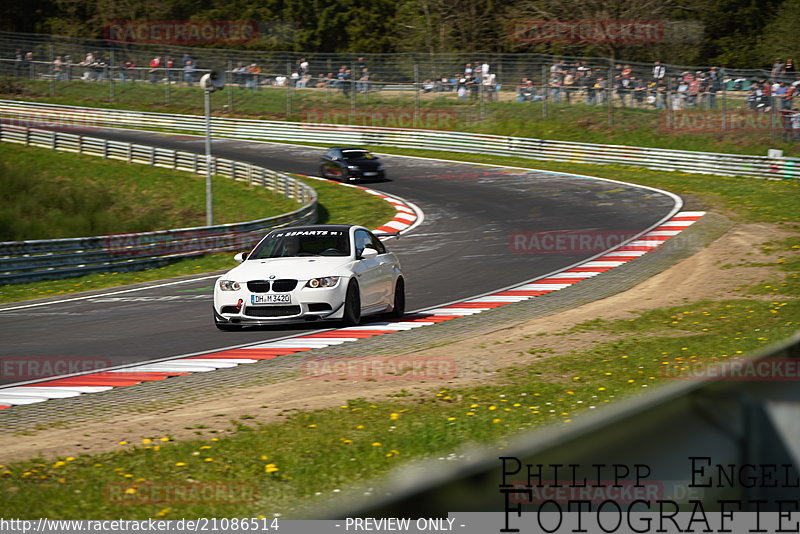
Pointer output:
x,y
442,91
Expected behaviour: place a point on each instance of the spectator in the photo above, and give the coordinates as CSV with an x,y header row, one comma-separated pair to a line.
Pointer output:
x,y
789,70
27,65
128,69
19,58
170,72
428,86
638,90
155,64
302,67
714,86
58,68
490,86
188,73
788,97
253,76
659,72
778,69
462,88
363,81
240,74
525,90
186,59
87,63
568,85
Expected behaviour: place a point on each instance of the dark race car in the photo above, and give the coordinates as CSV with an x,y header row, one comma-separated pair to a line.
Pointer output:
x,y
348,164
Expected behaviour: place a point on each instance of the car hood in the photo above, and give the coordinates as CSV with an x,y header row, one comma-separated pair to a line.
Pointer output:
x,y
296,268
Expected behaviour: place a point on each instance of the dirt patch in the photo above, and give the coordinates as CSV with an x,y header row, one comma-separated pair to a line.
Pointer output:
x,y
713,273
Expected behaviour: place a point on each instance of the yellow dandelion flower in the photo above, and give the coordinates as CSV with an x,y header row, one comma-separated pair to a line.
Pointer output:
x,y
492,408
470,413
394,416
69,458
122,443
451,418
214,439
496,420
360,427
130,491
347,441
601,389
59,464
264,457
163,439
208,459
312,426
147,441
180,464
163,512
376,444
271,468
395,452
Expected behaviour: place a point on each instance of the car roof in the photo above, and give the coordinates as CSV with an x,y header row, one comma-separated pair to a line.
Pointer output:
x,y
349,148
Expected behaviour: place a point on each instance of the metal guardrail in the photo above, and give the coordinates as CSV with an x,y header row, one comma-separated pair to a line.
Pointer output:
x,y
536,149
34,260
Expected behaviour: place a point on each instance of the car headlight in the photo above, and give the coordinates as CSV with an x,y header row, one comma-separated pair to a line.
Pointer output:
x,y
325,281
352,167
229,285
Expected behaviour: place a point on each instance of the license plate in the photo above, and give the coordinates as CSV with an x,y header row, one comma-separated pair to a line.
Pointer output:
x,y
271,299
370,173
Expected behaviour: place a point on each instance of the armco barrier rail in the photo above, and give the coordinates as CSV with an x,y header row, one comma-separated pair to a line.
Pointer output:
x,y
28,261
537,149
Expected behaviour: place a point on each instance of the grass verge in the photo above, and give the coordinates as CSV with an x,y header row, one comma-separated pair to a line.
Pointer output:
x,y
56,194
51,195
313,455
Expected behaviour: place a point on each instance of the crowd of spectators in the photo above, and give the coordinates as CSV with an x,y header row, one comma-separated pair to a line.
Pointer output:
x,y
657,88
565,82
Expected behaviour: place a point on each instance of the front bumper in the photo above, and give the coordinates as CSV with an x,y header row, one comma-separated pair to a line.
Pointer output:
x,y
306,304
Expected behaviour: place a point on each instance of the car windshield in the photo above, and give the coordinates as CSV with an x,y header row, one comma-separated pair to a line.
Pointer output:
x,y
296,243
356,154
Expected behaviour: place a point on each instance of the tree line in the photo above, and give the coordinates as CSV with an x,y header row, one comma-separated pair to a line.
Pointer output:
x,y
729,33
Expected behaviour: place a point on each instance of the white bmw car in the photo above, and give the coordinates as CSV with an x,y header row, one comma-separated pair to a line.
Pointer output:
x,y
310,273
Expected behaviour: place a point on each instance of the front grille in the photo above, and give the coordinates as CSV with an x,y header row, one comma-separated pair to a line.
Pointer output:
x,y
284,286
272,311
258,286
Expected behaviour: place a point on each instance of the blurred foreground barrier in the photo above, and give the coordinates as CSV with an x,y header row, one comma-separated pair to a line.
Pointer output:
x,y
726,432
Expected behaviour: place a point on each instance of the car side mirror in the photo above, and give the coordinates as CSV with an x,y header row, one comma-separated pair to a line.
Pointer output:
x,y
240,257
368,253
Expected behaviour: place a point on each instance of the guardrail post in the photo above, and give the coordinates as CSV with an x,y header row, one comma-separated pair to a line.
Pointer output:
x,y
105,148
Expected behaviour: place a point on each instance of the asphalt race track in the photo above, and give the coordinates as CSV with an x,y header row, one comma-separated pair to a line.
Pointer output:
x,y
461,249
